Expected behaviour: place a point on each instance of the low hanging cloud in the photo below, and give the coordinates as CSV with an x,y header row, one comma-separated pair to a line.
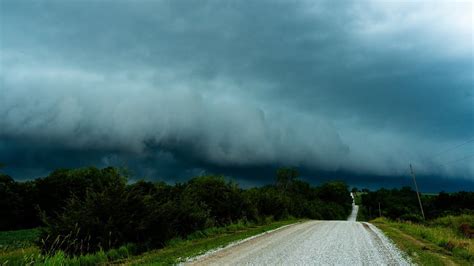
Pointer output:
x,y
175,87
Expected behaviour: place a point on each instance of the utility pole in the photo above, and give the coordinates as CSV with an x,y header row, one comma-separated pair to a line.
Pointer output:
x,y
417,192
380,211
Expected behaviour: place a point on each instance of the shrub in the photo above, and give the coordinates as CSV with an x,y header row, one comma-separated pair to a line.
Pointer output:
x,y
99,221
411,217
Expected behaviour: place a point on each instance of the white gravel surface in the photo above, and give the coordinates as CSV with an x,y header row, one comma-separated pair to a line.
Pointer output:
x,y
312,243
353,216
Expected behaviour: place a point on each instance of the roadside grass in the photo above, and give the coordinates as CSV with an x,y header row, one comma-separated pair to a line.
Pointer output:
x,y
437,242
20,256
99,258
179,250
18,247
454,222
32,256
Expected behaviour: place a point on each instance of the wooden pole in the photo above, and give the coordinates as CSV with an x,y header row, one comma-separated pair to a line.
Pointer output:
x,y
417,192
380,211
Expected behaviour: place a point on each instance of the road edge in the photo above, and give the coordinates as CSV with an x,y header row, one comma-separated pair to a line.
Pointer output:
x,y
389,244
236,243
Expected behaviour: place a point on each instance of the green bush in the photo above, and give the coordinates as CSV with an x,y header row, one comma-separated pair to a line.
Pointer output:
x,y
123,252
411,217
99,221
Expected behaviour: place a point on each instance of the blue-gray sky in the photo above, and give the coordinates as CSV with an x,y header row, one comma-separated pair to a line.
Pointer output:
x,y
173,89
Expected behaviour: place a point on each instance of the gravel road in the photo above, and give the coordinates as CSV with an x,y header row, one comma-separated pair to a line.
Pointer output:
x,y
312,243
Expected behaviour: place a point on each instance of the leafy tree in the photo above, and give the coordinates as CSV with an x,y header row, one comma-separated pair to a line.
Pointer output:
x,y
223,199
285,177
337,192
101,218
10,203
55,190
269,201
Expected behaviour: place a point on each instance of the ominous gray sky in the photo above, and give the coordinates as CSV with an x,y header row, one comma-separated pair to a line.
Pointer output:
x,y
178,88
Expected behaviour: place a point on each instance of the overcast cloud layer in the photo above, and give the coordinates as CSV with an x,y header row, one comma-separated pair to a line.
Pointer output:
x,y
175,88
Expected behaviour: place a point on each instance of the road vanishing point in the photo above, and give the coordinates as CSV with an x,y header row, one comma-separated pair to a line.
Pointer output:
x,y
311,243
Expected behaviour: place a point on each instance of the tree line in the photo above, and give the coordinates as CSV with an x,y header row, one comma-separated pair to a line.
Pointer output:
x,y
84,210
402,204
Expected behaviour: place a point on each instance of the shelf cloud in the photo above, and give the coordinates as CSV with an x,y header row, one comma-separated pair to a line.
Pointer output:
x,y
177,88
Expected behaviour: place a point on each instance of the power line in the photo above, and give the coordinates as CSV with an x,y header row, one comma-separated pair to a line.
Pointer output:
x,y
453,148
459,159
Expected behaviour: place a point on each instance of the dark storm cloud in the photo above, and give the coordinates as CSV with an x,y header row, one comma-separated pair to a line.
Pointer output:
x,y
174,88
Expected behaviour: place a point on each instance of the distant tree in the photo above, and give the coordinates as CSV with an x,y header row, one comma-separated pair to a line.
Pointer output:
x,y
58,187
270,202
285,177
10,203
224,199
395,203
335,191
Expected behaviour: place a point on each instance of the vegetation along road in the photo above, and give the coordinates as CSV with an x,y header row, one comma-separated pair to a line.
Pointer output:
x,y
312,243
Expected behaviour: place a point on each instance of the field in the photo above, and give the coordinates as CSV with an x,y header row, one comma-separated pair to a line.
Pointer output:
x,y
436,242
18,247
17,239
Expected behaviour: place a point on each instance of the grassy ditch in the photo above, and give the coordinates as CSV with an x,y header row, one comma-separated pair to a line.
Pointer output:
x,y
436,242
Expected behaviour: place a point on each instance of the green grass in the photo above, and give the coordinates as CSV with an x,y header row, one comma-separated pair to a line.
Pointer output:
x,y
453,222
29,254
98,258
18,238
437,242
18,247
179,250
